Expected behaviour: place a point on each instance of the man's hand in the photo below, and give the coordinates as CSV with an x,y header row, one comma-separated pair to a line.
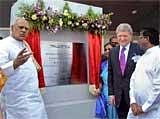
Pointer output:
x,y
21,58
112,100
136,109
140,111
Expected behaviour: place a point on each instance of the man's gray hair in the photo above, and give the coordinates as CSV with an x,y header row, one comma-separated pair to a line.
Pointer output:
x,y
124,27
17,19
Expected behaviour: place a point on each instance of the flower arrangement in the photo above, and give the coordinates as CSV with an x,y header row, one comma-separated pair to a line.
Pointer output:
x,y
52,20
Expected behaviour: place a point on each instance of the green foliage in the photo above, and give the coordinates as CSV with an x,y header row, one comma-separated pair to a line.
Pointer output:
x,y
41,18
91,15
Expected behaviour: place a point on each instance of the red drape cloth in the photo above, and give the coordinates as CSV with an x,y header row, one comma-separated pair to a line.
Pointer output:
x,y
94,45
79,66
33,39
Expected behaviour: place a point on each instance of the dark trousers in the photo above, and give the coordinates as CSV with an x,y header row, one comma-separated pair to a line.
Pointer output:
x,y
123,108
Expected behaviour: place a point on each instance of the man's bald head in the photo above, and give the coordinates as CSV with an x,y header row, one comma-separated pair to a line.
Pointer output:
x,y
20,29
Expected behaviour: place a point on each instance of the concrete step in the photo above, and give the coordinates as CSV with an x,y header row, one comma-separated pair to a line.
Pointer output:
x,y
56,94
72,110
69,102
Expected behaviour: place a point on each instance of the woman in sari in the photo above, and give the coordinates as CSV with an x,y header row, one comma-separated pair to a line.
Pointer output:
x,y
110,109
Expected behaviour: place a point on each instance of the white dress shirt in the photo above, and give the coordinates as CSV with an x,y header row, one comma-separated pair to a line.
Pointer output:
x,y
21,93
145,85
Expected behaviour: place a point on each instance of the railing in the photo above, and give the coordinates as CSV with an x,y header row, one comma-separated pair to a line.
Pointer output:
x,y
4,28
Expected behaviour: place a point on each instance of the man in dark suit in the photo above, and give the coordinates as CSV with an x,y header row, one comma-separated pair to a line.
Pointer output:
x,y
121,67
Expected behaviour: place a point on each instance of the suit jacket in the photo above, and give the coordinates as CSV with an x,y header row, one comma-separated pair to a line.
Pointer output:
x,y
117,82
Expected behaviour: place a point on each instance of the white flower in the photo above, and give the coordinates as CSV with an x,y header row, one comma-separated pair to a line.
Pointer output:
x,y
65,13
50,21
103,27
135,58
47,27
77,24
34,17
99,26
60,22
82,21
84,25
44,18
69,22
92,25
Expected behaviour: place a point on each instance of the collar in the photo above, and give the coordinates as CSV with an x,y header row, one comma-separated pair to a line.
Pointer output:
x,y
127,47
17,42
13,40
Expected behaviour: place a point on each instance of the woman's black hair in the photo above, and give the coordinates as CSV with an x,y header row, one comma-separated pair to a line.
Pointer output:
x,y
108,43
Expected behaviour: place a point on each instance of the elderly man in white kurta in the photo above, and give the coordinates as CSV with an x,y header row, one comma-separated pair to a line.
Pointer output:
x,y
21,93
145,81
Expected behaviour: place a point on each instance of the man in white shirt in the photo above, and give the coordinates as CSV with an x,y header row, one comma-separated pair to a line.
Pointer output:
x,y
21,93
145,81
